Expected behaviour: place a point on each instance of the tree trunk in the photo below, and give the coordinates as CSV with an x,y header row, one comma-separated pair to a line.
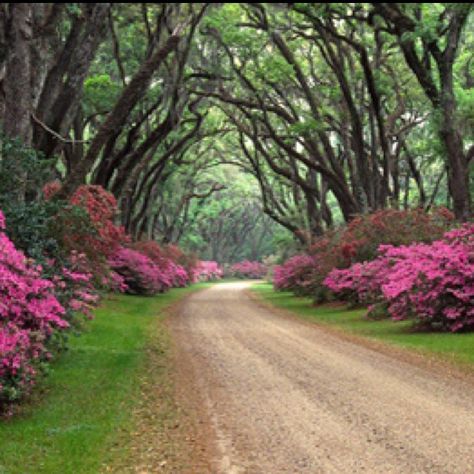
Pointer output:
x,y
60,112
18,95
17,83
458,173
458,167
135,90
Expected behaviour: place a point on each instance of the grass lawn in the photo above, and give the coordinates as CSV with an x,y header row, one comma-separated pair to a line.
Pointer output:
x,y
457,348
83,408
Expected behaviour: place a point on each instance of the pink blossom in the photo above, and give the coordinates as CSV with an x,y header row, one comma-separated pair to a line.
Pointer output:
x,y
29,314
207,271
432,283
248,269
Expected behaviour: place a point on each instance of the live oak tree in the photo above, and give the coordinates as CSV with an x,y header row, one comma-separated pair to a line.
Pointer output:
x,y
330,110
430,37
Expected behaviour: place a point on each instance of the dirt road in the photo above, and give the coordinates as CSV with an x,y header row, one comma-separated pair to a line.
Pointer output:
x,y
275,395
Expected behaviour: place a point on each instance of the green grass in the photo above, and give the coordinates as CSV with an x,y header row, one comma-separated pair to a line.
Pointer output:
x,y
84,406
458,348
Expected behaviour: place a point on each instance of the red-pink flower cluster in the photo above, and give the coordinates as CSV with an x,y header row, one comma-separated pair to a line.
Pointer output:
x,y
248,269
141,275
29,314
74,287
296,274
432,283
101,206
361,283
172,273
358,242
207,270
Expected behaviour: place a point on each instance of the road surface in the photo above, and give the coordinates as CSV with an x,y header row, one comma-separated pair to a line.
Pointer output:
x,y
273,394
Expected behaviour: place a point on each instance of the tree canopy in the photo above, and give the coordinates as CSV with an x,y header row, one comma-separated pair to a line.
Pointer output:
x,y
233,128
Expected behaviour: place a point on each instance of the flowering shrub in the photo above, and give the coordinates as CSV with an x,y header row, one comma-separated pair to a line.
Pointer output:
x,y
86,225
207,271
296,274
152,250
114,282
248,269
51,188
29,315
360,283
175,274
188,261
101,207
74,287
141,275
431,283
359,241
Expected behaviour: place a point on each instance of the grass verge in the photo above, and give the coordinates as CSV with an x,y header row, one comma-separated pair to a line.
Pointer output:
x,y
84,408
457,348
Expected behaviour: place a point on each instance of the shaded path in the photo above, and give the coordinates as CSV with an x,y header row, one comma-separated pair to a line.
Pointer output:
x,y
274,395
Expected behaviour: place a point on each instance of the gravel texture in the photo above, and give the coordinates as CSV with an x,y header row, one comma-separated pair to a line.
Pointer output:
x,y
271,394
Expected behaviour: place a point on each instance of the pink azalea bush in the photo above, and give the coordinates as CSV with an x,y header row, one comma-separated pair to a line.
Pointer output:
x,y
357,242
30,314
360,283
173,274
74,287
207,270
248,269
177,275
141,275
431,283
296,274
85,225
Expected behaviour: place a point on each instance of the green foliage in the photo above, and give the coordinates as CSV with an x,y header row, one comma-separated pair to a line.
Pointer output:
x,y
229,225
466,109
37,226
21,168
274,68
28,222
100,93
30,226
308,126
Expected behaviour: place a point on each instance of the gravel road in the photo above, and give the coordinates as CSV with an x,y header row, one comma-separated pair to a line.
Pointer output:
x,y
276,395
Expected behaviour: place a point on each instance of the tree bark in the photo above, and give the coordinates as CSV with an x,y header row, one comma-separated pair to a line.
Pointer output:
x,y
18,92
134,91
17,83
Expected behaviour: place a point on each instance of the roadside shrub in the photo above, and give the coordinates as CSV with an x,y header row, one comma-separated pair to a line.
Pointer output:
x,y
359,240
86,225
207,270
434,284
361,283
430,283
74,288
188,261
248,269
101,207
30,314
176,275
296,274
141,275
32,226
